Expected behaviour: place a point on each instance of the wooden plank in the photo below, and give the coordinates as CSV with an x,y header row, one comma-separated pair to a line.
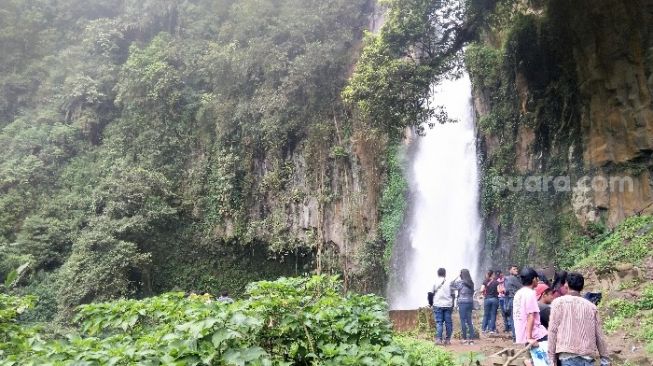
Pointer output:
x,y
404,320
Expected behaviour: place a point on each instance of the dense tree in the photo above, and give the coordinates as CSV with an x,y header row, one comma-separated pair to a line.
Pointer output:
x,y
132,126
418,45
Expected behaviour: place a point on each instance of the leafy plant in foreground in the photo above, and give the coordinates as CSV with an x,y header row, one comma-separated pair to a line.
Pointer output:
x,y
291,321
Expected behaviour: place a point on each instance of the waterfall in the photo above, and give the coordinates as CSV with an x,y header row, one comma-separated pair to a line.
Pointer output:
x,y
443,225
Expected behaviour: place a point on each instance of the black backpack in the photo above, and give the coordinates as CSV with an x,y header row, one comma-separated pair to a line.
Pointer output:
x,y
593,297
430,295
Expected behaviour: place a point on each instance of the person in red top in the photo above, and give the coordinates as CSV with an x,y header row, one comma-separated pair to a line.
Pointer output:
x,y
490,303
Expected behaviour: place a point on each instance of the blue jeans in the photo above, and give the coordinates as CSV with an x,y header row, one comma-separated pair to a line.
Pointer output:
x,y
443,318
466,325
491,304
576,361
502,312
507,309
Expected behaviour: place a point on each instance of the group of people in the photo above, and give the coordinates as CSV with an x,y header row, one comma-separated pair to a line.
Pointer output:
x,y
499,291
561,327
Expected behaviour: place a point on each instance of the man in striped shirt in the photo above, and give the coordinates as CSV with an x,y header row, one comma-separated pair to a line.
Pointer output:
x,y
575,333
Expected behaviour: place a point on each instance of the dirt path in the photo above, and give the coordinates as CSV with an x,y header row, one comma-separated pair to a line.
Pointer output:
x,y
624,348
486,345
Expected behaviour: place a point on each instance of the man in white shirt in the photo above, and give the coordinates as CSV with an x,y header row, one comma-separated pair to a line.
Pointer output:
x,y
443,307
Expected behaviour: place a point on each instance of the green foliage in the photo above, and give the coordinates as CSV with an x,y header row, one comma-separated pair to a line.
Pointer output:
x,y
99,268
216,268
110,257
470,359
148,80
622,308
646,301
372,274
11,277
490,239
646,333
630,242
613,324
490,192
292,321
490,123
629,315
44,287
526,75
423,353
393,200
132,127
13,336
339,152
485,63
46,240
390,85
577,247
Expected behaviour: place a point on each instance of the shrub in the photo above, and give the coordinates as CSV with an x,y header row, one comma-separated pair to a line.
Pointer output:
x,y
291,321
630,242
485,64
13,337
393,201
421,352
622,308
613,324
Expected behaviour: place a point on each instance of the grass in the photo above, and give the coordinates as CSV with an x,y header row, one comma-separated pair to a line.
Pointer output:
x,y
423,352
630,242
632,315
613,324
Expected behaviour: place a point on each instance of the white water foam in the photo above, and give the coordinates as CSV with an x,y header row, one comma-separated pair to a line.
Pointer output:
x,y
444,225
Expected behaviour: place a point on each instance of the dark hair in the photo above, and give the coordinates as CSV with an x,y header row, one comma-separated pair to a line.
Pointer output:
x,y
543,278
513,266
442,272
467,278
559,279
528,275
489,274
498,272
225,294
575,281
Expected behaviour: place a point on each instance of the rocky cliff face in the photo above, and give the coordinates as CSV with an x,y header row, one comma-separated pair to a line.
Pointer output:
x,y
612,51
563,91
333,205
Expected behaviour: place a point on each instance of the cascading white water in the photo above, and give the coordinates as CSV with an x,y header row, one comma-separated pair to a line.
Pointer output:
x,y
443,226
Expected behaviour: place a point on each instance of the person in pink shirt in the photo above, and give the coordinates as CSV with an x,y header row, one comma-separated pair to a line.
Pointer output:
x,y
526,316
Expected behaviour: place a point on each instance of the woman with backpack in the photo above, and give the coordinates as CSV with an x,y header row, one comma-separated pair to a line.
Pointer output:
x,y
465,287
